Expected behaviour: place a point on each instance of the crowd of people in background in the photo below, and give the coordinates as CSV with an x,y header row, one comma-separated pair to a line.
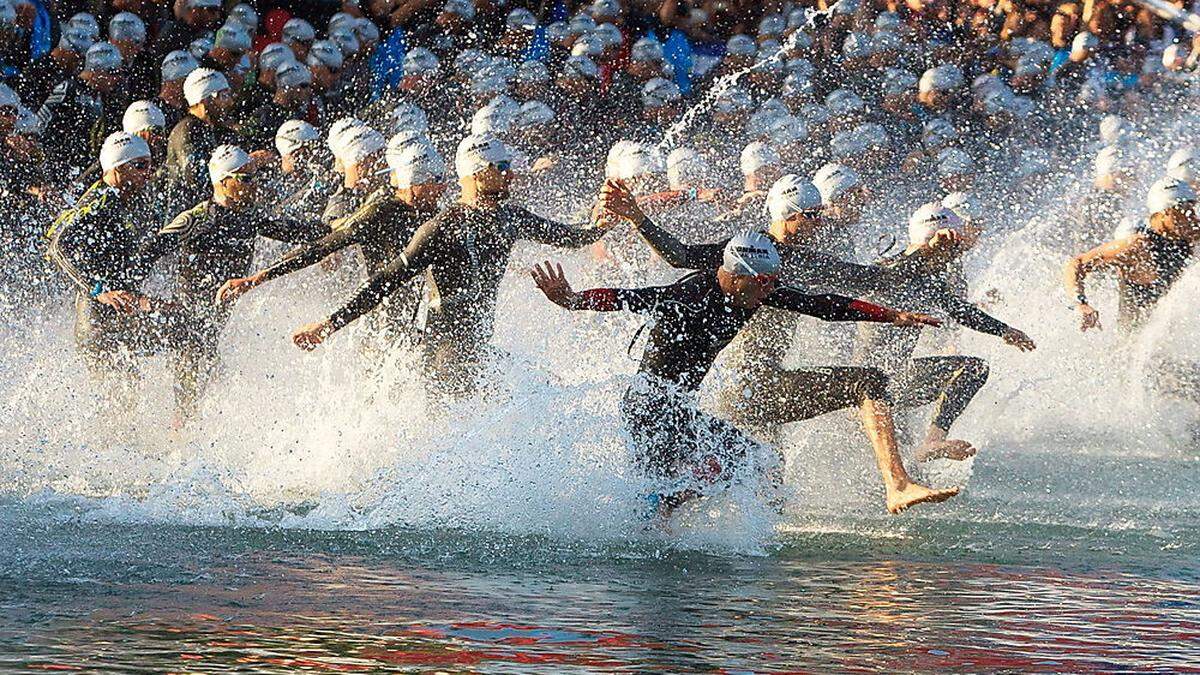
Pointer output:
x,y
744,140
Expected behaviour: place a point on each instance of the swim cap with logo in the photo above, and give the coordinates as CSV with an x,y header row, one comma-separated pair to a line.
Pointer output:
x,y
791,195
120,148
750,254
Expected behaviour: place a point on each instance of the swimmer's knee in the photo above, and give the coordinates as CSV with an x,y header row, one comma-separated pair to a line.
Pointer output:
x,y
977,369
873,385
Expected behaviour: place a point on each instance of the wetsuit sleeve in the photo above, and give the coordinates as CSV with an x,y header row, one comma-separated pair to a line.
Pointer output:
x,y
311,253
168,239
291,230
64,251
421,251
829,307
816,271
640,300
678,254
539,229
971,316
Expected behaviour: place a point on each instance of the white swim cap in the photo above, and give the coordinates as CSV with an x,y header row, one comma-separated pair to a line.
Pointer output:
x,y
421,61
127,26
964,205
366,30
346,40
476,153
521,19
1111,160
294,134
408,115
928,219
634,159
341,127
461,8
234,37
733,100
274,55
415,164
646,50
945,77
1183,165
757,155
532,72
1112,129
298,30
741,45
843,102
102,56
1084,42
120,148
791,195
658,92
897,82
494,117
1167,193
141,115
533,113
245,15
178,65
686,167
954,162
358,144
202,83
226,160
581,67
292,74
833,180
327,54
751,254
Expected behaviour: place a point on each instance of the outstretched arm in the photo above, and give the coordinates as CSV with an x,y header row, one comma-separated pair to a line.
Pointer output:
x,y
1115,254
616,198
419,253
831,307
553,283
976,319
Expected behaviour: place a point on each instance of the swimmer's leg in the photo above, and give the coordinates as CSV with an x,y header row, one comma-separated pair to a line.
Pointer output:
x,y
950,382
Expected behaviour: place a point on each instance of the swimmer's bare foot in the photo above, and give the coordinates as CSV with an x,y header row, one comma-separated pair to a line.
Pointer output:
x,y
914,494
948,449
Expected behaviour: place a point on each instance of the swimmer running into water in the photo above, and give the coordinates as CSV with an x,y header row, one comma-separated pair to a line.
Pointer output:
x,y
694,319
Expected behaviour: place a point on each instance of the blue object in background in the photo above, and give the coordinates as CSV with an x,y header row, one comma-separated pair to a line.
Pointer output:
x,y
39,37
387,63
539,47
559,12
678,52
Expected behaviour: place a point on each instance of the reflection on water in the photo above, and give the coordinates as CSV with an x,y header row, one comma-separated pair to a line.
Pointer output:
x,y
271,611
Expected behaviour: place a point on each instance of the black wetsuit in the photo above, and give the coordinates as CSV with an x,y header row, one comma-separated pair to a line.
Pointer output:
x,y
692,322
466,248
765,394
75,120
1169,258
214,244
950,381
189,147
381,228
96,244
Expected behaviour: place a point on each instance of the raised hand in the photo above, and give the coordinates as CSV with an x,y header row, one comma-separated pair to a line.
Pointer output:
x,y
122,301
553,283
308,337
234,288
1088,318
616,198
1019,340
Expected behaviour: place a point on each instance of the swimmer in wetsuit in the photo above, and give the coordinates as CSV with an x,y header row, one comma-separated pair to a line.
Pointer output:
x,y
466,247
693,320
381,227
764,393
917,279
215,241
1147,262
